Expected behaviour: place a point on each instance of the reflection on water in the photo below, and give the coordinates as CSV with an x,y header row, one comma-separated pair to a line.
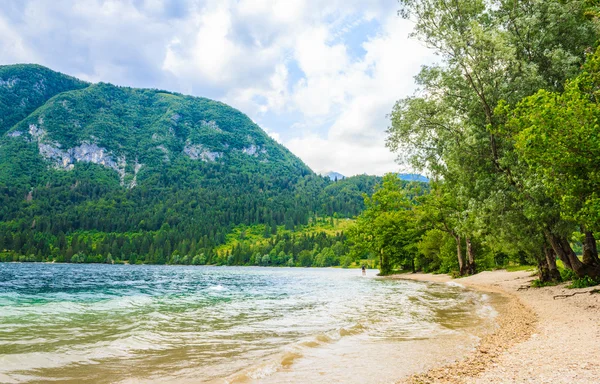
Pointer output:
x,y
107,323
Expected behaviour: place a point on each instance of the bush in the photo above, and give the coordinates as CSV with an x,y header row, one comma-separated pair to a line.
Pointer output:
x,y
584,282
78,258
567,274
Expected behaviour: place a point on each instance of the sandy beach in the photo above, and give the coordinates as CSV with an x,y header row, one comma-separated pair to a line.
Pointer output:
x,y
541,337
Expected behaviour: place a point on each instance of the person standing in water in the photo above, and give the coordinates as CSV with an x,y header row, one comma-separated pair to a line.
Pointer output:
x,y
364,270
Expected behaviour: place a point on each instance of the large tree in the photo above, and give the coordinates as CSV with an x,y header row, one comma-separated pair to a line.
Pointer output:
x,y
490,52
557,135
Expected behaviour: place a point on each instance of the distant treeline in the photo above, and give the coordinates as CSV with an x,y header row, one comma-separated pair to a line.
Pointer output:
x,y
167,223
167,246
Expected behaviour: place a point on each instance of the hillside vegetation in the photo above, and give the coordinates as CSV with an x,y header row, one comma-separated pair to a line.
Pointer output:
x,y
96,172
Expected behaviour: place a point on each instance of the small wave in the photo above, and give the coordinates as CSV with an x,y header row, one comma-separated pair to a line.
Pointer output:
x,y
319,340
218,287
288,358
323,338
487,311
354,330
250,374
310,343
454,284
264,370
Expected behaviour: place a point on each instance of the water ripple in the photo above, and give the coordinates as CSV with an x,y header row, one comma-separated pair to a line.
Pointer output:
x,y
100,322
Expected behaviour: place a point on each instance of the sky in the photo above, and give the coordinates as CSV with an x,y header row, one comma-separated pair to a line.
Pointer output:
x,y
319,76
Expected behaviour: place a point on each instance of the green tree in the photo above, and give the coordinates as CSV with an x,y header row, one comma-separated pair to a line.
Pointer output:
x,y
557,135
386,226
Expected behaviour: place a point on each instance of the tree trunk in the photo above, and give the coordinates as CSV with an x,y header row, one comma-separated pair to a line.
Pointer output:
x,y
550,256
565,253
470,257
558,249
461,261
543,270
590,252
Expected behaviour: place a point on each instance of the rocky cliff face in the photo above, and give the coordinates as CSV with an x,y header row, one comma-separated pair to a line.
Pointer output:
x,y
88,152
199,152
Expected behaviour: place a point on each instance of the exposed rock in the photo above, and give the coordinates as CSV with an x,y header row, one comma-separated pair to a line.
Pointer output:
x,y
91,153
254,150
165,151
36,133
14,134
136,168
199,152
40,86
211,125
86,152
52,151
251,150
9,83
65,105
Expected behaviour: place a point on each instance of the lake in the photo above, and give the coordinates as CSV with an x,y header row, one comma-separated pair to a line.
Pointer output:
x,y
180,324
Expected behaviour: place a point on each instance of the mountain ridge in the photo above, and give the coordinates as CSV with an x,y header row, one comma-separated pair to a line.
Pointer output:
x,y
97,124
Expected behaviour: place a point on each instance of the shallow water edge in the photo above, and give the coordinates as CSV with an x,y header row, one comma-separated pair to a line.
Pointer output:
x,y
129,324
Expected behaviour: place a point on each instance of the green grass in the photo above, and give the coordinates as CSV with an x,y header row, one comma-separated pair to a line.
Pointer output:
x,y
517,268
538,284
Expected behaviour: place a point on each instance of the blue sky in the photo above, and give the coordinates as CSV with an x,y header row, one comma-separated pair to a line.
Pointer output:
x,y
319,76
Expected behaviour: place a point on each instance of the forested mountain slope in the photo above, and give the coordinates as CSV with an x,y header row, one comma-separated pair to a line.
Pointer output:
x,y
96,169
24,88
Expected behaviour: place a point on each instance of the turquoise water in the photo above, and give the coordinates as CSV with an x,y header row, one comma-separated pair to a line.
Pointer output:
x,y
120,323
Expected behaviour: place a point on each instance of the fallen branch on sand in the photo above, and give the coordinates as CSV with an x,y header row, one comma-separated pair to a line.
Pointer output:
x,y
577,293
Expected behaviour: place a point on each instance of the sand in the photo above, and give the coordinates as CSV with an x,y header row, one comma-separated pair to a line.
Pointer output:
x,y
540,338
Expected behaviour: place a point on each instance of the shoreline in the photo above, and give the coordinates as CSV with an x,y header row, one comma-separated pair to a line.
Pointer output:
x,y
539,338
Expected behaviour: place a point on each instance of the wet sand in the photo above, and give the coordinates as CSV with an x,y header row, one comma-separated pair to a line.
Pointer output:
x,y
539,339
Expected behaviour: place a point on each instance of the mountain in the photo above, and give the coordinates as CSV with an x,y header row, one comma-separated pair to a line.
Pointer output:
x,y
413,177
129,130
24,88
89,171
334,175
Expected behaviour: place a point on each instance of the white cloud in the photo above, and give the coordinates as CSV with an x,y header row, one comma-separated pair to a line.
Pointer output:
x,y
271,97
359,96
318,58
346,158
13,46
209,50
